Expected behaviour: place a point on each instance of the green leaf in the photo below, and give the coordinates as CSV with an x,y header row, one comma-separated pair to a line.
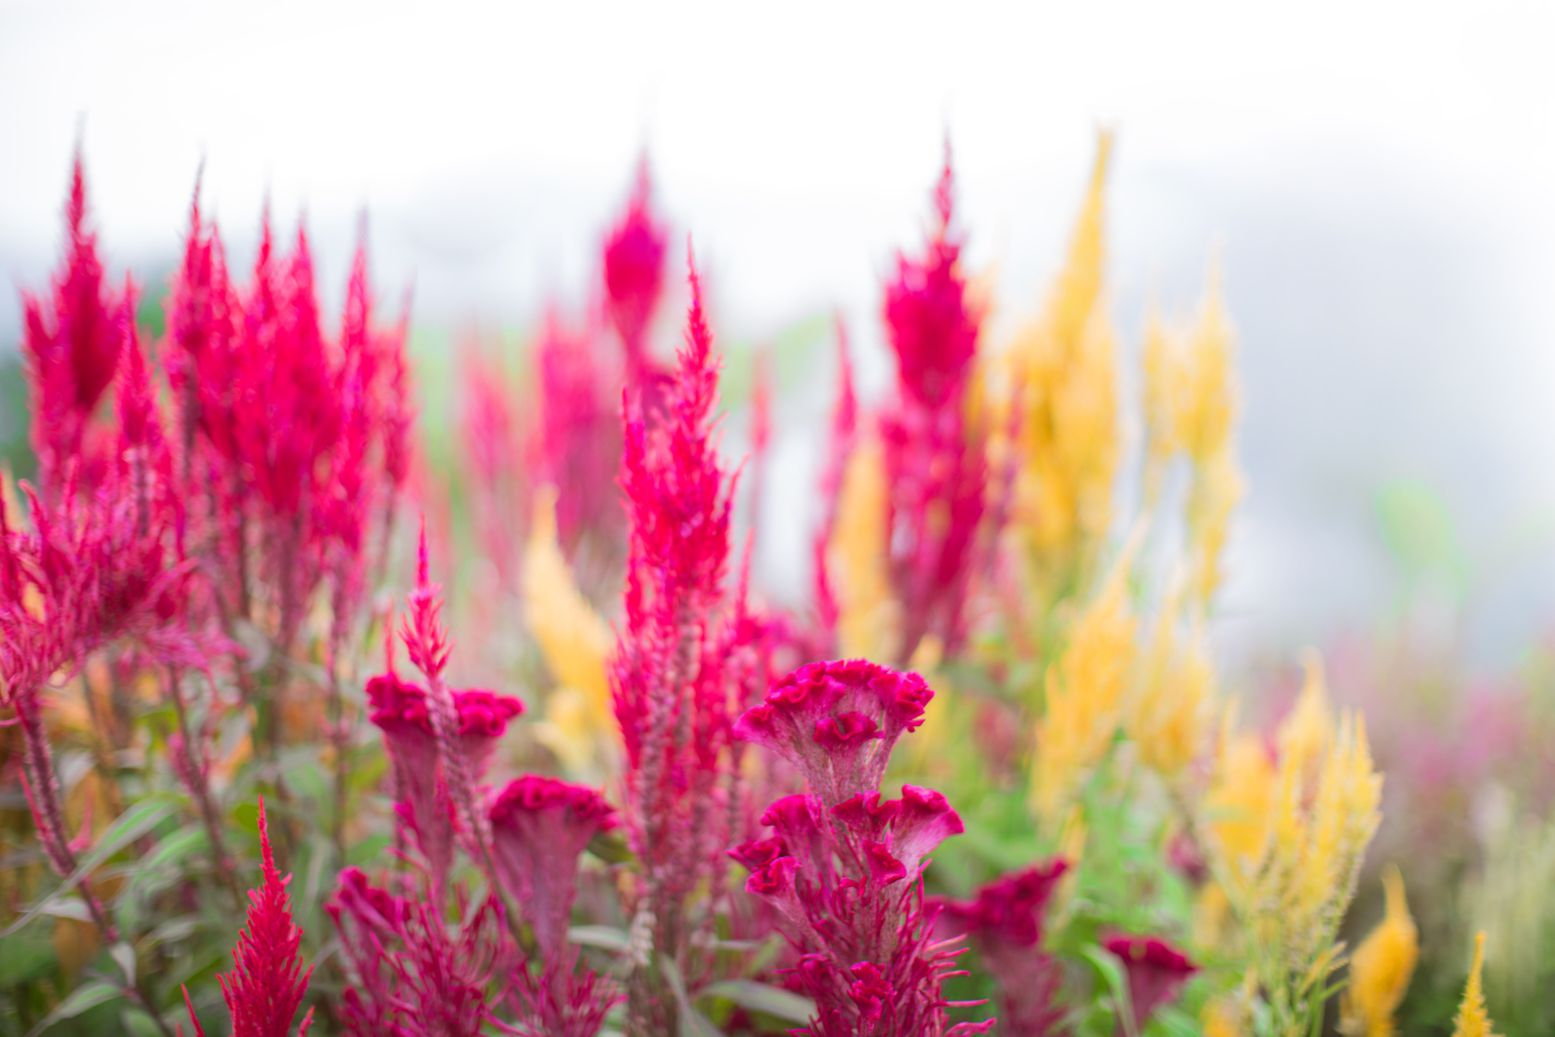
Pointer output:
x,y
83,998
1111,971
768,1000
367,850
605,937
131,825
692,1022
25,957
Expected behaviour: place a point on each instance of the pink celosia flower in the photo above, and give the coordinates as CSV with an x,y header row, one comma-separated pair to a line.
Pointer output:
x,y
265,987
412,977
843,868
634,274
1156,972
102,565
72,342
1004,923
838,722
489,431
402,711
933,450
539,828
669,687
576,440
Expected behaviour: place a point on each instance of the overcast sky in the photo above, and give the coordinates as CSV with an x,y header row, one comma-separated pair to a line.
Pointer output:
x,y
1379,179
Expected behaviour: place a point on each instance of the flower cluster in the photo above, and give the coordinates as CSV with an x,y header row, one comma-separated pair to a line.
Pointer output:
x,y
843,868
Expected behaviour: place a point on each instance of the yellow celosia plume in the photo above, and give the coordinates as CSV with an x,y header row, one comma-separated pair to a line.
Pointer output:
x,y
575,642
858,559
1168,718
1190,404
1065,367
1473,1019
1239,802
1085,693
1381,967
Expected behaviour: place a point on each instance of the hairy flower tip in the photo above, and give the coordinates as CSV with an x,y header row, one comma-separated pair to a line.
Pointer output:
x,y
930,319
837,722
410,974
539,827
634,270
72,341
1004,922
1156,971
267,983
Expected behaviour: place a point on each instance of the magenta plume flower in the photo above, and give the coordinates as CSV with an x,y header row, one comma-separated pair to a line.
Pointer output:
x,y
843,867
1004,924
1156,972
72,341
265,987
934,452
634,273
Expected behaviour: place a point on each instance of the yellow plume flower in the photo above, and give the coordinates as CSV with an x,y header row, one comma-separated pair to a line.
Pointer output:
x,y
1306,731
1381,967
1239,803
1473,1018
1167,720
1085,691
1224,1016
868,624
1065,365
574,641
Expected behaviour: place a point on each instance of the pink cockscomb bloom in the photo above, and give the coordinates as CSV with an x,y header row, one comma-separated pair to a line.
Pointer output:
x,y
843,868
402,711
934,449
1156,972
540,826
265,987
1004,923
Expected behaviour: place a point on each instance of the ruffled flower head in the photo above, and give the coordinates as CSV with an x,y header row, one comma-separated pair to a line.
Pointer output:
x,y
1156,972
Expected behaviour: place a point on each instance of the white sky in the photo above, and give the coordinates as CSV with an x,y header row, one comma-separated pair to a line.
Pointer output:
x,y
1380,178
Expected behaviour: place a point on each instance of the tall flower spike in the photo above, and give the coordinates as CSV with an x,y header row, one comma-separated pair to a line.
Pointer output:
x,y
934,440
1473,1019
71,340
1381,968
634,273
844,875
266,985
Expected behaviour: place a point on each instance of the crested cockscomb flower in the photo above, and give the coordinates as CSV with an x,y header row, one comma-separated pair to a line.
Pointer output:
x,y
843,867
933,440
1003,921
403,712
72,340
837,722
539,828
267,982
1156,973
634,273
